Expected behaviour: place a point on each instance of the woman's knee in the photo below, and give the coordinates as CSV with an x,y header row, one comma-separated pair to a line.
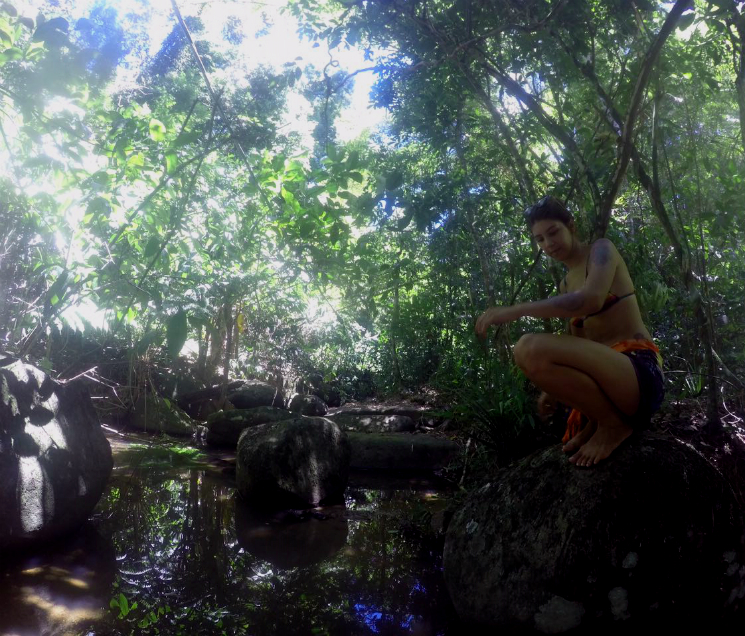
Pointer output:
x,y
525,351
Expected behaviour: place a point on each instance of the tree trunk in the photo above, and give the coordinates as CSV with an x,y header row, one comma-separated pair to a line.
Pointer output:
x,y
627,135
394,328
228,318
738,42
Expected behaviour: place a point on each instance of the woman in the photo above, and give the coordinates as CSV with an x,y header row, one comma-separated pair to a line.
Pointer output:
x,y
608,370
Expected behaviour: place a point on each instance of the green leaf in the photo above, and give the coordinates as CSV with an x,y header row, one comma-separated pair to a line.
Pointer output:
x,y
152,337
176,331
187,138
157,130
686,21
123,604
171,161
13,53
152,247
394,180
58,287
99,207
52,32
353,160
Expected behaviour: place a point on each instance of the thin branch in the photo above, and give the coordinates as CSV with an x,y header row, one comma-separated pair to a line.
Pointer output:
x,y
216,100
650,59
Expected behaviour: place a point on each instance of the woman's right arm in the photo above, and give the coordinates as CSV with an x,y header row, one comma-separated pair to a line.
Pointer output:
x,y
547,404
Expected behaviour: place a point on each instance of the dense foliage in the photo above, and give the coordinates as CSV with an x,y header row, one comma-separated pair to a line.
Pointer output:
x,y
162,188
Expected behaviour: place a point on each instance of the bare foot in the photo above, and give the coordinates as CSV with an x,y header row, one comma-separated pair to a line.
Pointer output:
x,y
607,438
580,438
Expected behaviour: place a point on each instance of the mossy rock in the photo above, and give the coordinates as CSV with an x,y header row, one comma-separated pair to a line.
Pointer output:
x,y
224,428
154,414
652,536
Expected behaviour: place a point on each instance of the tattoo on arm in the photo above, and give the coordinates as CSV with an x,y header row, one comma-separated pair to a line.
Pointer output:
x,y
639,336
601,254
570,302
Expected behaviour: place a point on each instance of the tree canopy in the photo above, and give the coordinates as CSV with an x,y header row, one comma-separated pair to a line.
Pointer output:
x,y
162,187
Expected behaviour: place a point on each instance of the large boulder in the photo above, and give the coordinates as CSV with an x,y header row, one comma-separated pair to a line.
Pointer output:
x,y
154,414
54,458
224,428
200,404
653,535
253,393
299,462
307,405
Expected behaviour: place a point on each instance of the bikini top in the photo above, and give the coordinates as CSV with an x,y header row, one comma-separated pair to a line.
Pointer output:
x,y
610,300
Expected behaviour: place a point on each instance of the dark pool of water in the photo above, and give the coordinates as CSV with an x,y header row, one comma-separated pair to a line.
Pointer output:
x,y
171,550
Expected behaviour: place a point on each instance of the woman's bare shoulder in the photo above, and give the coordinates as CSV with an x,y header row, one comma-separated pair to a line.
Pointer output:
x,y
603,251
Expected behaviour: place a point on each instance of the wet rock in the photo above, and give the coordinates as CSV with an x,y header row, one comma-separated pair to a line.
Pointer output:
x,y
643,537
331,395
289,540
200,404
374,423
400,452
308,405
154,414
422,416
54,458
408,410
225,427
253,393
300,462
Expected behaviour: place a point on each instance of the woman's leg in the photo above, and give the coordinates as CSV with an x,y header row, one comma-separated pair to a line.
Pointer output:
x,y
588,376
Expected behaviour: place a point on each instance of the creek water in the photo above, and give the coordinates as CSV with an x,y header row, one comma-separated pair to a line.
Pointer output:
x,y
170,549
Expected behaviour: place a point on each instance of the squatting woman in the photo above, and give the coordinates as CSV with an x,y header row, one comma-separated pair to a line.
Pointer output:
x,y
608,370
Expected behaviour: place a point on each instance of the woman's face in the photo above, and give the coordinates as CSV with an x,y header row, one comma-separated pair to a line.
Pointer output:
x,y
553,237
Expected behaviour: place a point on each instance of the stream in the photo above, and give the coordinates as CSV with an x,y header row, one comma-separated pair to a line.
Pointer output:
x,y
170,549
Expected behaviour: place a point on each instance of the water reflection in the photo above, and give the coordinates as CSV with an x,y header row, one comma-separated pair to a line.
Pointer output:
x,y
59,589
291,539
192,560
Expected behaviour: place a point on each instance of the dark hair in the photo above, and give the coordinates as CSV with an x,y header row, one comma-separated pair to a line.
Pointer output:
x,y
548,208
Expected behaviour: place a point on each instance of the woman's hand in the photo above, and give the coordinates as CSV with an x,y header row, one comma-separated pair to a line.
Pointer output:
x,y
494,316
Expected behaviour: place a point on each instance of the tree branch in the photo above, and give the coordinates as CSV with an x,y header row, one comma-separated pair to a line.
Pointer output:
x,y
650,59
